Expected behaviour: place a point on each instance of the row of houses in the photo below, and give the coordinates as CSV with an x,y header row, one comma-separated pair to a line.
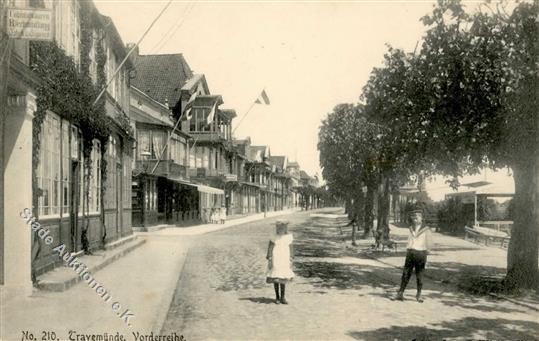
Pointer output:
x,y
186,168
169,156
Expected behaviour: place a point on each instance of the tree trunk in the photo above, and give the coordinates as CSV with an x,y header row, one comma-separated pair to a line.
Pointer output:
x,y
395,206
348,208
382,227
522,264
85,242
369,210
357,214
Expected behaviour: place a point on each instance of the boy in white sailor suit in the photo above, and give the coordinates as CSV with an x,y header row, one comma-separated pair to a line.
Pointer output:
x,y
419,242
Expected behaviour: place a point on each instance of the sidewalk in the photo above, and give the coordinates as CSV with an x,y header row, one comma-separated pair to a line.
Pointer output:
x,y
451,261
206,228
143,281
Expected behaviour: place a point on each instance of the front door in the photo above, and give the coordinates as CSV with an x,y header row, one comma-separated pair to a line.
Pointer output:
x,y
74,204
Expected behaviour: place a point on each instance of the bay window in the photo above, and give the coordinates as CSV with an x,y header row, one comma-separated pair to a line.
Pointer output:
x,y
151,144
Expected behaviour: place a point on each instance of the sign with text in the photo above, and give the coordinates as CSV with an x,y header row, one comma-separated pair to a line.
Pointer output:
x,y
231,177
29,23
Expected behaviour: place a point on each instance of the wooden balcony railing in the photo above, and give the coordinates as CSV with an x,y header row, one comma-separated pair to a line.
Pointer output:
x,y
164,168
208,136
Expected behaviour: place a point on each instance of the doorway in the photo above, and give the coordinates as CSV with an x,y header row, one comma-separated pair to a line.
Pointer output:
x,y
74,204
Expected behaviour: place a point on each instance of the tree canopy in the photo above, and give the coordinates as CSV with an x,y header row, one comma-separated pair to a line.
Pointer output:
x,y
465,99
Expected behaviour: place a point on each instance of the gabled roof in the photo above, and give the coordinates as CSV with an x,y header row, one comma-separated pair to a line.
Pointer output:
x,y
258,153
193,82
304,175
140,116
162,76
207,101
292,164
244,141
278,161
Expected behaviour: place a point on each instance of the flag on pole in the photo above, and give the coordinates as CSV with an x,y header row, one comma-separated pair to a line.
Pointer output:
x,y
189,105
263,98
211,115
189,114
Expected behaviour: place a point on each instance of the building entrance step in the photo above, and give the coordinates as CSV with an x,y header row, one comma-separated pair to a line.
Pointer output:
x,y
64,277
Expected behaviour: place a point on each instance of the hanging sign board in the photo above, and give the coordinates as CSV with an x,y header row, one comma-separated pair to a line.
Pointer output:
x,y
29,23
231,177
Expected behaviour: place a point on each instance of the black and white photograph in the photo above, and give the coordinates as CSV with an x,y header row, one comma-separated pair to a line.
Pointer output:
x,y
180,170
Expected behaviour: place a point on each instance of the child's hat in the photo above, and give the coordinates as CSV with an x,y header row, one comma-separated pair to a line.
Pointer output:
x,y
416,208
281,223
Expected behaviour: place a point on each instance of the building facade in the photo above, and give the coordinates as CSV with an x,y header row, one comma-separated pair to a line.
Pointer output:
x,y
58,172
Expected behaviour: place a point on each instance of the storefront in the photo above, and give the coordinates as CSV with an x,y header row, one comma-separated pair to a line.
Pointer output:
x,y
210,199
158,200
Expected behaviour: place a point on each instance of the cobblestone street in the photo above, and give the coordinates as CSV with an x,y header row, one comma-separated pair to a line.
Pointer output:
x,y
340,292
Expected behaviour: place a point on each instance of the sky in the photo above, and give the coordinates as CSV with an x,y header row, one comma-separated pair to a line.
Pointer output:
x,y
308,56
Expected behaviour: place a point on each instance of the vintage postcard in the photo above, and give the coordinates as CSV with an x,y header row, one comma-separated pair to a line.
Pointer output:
x,y
180,170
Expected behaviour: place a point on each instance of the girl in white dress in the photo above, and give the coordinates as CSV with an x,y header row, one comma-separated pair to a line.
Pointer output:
x,y
279,258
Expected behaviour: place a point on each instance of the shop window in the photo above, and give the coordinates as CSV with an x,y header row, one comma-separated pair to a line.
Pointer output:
x,y
60,142
48,172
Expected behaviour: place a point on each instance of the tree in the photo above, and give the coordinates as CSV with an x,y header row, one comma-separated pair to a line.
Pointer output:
x,y
482,84
386,96
469,100
347,144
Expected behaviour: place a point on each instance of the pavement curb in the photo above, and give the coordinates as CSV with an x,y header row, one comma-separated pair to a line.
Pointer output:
x,y
59,286
172,230
159,321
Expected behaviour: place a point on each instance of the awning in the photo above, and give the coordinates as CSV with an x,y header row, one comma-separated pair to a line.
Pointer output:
x,y
200,188
210,190
184,182
252,184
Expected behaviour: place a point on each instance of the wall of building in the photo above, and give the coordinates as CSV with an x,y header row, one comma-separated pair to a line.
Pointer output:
x,y
60,230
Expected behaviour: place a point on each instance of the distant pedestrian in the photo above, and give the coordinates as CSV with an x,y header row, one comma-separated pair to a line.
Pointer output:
x,y
222,215
419,240
279,258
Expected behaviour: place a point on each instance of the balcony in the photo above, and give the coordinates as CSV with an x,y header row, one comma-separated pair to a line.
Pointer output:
x,y
166,168
208,136
203,172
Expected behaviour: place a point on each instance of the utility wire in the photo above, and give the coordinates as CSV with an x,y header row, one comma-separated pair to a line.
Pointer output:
x,y
131,51
173,29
